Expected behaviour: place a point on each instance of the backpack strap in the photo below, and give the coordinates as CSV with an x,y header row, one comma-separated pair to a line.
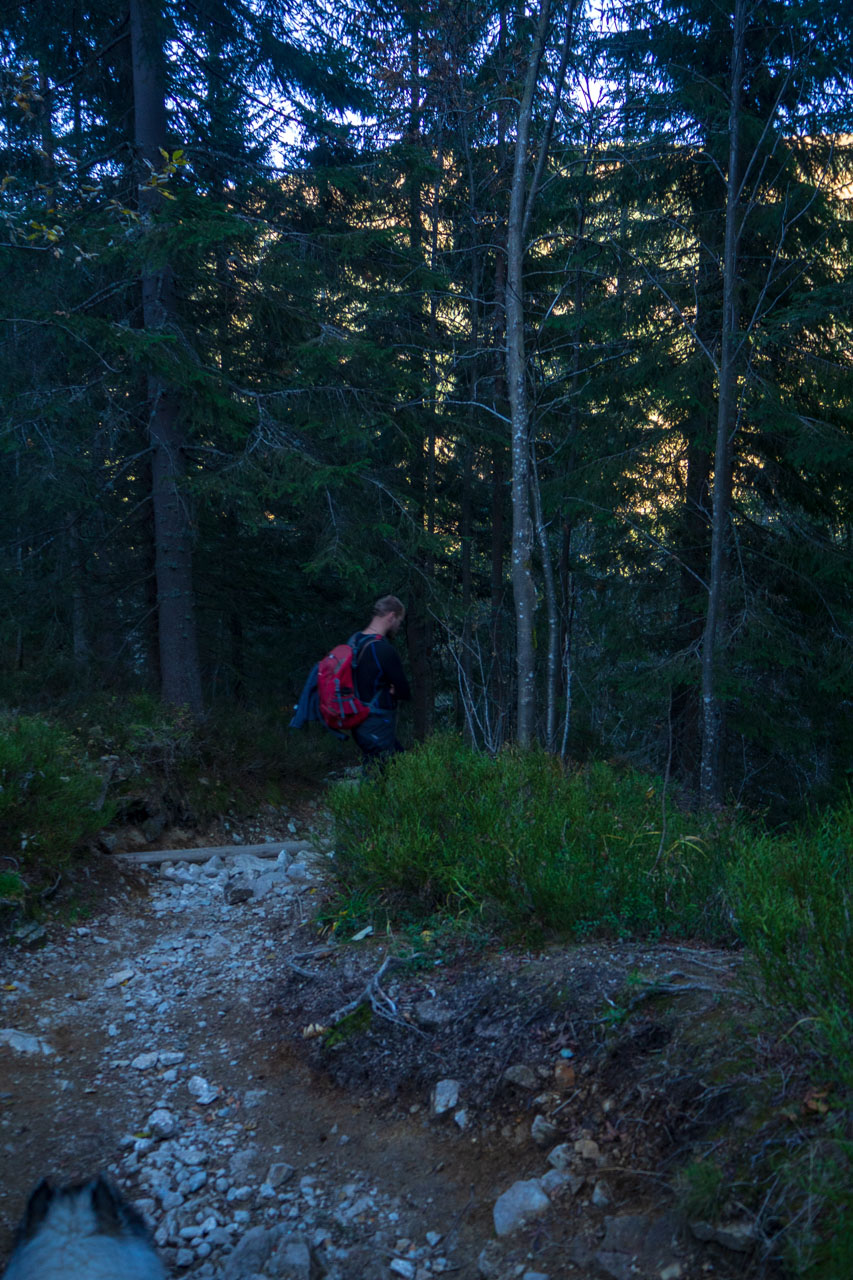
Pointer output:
x,y
358,641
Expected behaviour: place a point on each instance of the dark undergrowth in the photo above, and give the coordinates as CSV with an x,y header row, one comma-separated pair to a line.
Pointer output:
x,y
67,777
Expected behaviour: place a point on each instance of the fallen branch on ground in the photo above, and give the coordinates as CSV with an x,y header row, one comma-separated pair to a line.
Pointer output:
x,y
380,1002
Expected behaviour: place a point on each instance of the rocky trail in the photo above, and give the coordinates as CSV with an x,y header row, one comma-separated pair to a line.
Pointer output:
x,y
472,1115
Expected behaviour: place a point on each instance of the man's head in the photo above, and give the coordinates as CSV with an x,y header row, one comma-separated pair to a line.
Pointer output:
x,y
388,615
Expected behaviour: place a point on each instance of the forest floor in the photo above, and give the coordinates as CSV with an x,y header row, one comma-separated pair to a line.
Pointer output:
x,y
178,1036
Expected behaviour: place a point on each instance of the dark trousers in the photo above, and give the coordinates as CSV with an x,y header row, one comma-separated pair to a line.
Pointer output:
x,y
376,738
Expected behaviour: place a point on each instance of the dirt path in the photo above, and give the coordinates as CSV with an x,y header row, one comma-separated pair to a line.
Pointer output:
x,y
161,1041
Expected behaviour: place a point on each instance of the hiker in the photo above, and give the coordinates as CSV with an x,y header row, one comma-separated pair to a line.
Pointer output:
x,y
380,681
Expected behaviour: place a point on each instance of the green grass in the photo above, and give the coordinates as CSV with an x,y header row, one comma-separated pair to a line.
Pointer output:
x,y
792,898
519,843
701,1190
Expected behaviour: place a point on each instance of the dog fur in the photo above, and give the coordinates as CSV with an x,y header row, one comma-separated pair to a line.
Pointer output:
x,y
82,1232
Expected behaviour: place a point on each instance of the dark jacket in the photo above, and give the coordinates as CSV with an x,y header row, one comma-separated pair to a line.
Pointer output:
x,y
378,668
308,706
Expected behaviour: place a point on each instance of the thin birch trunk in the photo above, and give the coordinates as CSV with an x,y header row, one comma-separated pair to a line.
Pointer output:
x,y
524,590
552,665
710,772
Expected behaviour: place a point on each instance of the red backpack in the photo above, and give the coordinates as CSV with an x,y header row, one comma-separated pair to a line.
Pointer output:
x,y
340,705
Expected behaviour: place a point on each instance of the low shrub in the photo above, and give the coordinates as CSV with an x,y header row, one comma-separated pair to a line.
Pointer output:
x,y
792,898
234,757
48,788
522,842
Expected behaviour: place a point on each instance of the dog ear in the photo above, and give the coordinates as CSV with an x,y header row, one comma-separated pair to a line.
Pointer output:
x,y
36,1210
114,1216
106,1207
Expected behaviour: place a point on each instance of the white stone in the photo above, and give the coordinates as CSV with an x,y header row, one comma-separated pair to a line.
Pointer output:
x,y
272,880
444,1097
523,1201
521,1076
600,1195
298,873
203,1092
192,1155
21,1042
145,1061
543,1131
117,979
162,1123
279,1174
400,1267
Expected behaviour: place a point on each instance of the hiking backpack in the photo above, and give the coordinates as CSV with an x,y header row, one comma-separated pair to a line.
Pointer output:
x,y
337,691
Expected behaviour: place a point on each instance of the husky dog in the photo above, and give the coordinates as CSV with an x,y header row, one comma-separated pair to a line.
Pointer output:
x,y
83,1232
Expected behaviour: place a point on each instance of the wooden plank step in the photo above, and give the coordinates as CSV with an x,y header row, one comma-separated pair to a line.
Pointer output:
x,y
145,857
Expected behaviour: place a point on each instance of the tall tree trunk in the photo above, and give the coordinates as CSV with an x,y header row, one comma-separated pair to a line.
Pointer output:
x,y
465,534
567,599
552,664
79,640
710,772
523,588
685,714
178,646
19,572
419,622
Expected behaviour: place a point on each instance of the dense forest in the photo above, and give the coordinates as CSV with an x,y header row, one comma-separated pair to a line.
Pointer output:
x,y
537,315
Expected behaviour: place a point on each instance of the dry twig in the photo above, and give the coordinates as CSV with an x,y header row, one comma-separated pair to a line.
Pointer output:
x,y
380,1002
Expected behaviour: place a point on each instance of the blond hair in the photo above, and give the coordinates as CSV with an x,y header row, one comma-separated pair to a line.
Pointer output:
x,y
388,604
